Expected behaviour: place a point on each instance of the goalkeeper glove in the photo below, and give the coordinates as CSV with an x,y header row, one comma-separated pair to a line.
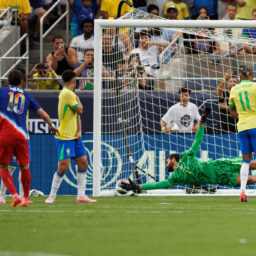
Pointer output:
x,y
204,115
130,186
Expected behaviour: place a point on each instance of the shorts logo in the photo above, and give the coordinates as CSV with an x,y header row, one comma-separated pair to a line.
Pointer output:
x,y
68,151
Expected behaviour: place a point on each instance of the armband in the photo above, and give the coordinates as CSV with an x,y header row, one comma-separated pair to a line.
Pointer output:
x,y
224,79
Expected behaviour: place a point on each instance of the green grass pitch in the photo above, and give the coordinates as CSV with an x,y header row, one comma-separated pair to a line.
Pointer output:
x,y
130,226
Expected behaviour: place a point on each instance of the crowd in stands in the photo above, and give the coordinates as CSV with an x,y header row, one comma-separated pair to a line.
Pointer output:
x,y
139,58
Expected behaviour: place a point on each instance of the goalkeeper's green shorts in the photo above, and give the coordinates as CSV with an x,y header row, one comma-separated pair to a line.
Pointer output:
x,y
227,170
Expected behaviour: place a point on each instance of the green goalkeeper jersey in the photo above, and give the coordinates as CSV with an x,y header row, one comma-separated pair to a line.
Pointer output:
x,y
192,171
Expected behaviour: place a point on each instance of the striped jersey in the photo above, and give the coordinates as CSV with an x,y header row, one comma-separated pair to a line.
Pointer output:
x,y
243,98
67,117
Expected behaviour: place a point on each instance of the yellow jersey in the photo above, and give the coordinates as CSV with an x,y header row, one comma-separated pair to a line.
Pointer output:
x,y
22,5
181,7
243,97
46,84
67,117
111,6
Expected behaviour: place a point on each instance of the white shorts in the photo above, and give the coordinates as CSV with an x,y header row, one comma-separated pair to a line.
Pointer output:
x,y
34,12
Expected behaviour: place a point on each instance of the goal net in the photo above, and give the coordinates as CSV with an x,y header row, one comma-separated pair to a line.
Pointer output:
x,y
140,65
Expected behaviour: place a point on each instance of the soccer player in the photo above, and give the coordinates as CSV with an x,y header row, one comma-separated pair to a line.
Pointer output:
x,y
14,105
242,102
69,142
187,169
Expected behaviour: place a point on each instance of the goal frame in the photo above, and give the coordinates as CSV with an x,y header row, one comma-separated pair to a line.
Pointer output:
x,y
99,25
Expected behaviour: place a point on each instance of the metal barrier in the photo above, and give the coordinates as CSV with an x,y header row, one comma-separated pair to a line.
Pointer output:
x,y
43,35
5,21
18,59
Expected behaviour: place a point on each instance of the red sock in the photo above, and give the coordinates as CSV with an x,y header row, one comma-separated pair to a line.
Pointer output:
x,y
26,180
8,181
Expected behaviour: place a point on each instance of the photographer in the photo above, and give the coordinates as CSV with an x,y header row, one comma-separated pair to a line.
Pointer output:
x,y
137,71
61,58
86,69
43,70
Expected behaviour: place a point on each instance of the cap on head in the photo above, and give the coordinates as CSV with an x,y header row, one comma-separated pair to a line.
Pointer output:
x,y
172,7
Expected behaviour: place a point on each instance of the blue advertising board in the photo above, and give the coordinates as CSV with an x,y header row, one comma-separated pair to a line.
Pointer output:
x,y
44,157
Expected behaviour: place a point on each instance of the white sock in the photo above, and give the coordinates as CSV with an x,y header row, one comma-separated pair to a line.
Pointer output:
x,y
244,175
81,180
56,181
3,189
20,186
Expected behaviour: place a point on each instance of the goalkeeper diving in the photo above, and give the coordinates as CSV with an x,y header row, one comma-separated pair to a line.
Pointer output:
x,y
187,169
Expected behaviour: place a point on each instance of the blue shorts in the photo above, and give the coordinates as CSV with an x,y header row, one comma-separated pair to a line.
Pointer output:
x,y
247,141
70,148
14,161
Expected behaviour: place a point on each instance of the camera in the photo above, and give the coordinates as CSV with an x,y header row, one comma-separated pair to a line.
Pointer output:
x,y
140,68
42,66
61,45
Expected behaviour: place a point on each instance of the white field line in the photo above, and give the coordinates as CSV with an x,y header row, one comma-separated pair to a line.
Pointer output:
x,y
9,253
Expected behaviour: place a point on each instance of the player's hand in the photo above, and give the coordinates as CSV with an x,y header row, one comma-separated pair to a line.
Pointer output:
x,y
130,186
78,135
204,115
54,130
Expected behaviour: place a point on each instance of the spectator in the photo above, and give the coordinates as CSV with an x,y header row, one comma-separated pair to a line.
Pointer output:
x,y
201,44
24,11
86,69
37,11
85,41
210,5
136,71
153,9
42,70
149,52
182,117
61,58
222,5
172,13
76,6
112,58
181,7
109,8
249,33
244,9
227,123
227,46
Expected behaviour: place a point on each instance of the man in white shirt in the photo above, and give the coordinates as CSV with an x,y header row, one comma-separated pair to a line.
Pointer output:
x,y
149,52
85,41
182,117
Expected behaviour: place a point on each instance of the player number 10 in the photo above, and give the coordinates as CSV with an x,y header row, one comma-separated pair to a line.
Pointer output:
x,y
16,104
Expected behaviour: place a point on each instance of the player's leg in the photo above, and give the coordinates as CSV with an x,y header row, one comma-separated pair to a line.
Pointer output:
x,y
251,179
3,188
57,179
82,164
6,153
23,159
246,149
65,150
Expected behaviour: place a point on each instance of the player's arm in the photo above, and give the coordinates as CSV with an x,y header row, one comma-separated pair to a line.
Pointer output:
x,y
233,112
148,186
200,132
77,107
48,120
232,105
78,134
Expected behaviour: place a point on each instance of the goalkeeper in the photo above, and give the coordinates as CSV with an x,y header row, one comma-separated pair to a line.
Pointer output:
x,y
187,169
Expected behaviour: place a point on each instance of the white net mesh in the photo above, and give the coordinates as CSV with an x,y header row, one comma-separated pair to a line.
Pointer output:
x,y
143,70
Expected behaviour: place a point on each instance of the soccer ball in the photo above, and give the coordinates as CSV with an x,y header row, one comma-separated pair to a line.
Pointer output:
x,y
122,192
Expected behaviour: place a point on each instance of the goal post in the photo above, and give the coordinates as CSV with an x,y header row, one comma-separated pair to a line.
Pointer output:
x,y
126,119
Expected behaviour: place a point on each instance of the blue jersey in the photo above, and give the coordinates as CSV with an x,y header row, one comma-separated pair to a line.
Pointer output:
x,y
14,106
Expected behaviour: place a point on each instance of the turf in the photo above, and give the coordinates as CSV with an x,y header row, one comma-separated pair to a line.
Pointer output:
x,y
130,226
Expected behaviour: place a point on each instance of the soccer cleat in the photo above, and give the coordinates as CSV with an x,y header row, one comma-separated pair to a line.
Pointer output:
x,y
2,199
24,202
85,199
50,199
15,201
243,197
